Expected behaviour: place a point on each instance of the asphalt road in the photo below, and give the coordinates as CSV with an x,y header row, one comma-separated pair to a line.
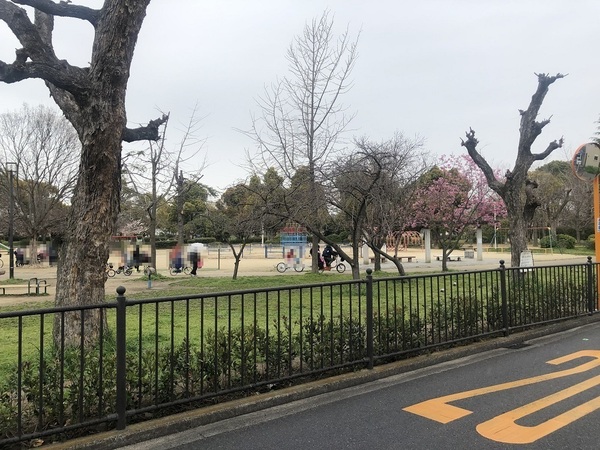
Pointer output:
x,y
543,395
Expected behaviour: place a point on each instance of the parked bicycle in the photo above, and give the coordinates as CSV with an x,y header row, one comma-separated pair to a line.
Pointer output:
x,y
125,270
177,270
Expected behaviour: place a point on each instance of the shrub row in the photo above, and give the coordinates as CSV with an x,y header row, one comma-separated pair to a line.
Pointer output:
x,y
250,356
559,241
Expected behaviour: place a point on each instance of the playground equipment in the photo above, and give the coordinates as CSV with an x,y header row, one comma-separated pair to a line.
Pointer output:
x,y
294,241
404,240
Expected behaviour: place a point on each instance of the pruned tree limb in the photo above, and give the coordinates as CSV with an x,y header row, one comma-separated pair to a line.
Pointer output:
x,y
36,58
530,129
471,145
551,147
145,133
63,9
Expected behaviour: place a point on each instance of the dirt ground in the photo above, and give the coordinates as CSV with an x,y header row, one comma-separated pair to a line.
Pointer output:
x,y
221,264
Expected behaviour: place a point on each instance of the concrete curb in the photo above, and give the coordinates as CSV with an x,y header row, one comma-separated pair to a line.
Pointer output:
x,y
144,431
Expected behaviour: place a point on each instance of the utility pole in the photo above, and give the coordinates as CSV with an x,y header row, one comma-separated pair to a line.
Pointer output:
x,y
11,218
180,202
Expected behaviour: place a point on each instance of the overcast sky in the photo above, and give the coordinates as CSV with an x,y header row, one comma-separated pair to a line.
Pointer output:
x,y
425,68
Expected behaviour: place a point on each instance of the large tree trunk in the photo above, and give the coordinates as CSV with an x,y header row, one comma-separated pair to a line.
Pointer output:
x,y
97,112
520,208
94,209
517,234
92,98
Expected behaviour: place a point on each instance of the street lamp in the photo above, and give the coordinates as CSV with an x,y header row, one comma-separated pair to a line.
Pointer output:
x,y
11,167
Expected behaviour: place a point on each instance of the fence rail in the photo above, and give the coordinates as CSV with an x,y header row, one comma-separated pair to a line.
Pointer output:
x,y
119,362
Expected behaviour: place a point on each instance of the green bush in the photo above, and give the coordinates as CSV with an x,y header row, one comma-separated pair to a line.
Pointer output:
x,y
590,243
82,397
533,299
331,342
558,241
338,238
393,332
162,244
460,317
204,240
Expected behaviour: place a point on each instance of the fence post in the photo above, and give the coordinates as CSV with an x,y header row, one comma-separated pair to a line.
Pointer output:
x,y
369,318
590,285
504,297
121,359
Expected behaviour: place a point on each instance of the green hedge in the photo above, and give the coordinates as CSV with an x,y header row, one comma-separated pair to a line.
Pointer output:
x,y
591,242
558,241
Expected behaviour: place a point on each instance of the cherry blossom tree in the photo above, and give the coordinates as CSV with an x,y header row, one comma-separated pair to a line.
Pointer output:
x,y
453,198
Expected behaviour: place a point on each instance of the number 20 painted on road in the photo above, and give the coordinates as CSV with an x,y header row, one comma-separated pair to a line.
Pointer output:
x,y
503,428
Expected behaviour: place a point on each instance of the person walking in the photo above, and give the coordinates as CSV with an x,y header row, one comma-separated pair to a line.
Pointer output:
x,y
195,255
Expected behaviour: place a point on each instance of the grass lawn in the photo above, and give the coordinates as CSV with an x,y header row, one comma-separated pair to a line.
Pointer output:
x,y
171,322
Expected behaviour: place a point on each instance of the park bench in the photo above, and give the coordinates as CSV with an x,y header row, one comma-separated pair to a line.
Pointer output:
x,y
34,287
408,258
400,258
372,259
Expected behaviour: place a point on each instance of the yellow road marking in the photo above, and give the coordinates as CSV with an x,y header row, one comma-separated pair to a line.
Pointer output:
x,y
440,410
504,429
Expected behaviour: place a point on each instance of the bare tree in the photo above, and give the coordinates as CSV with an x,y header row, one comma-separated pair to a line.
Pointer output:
x,y
93,100
46,150
517,191
236,218
357,185
302,118
389,207
156,172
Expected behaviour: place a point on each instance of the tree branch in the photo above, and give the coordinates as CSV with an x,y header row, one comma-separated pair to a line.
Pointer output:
x,y
530,128
57,72
551,147
471,145
63,9
146,133
37,59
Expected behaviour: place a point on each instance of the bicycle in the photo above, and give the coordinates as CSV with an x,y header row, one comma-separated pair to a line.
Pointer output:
x,y
125,270
282,267
177,270
337,264
1,262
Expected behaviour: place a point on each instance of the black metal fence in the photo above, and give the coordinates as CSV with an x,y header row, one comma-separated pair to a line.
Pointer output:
x,y
157,356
